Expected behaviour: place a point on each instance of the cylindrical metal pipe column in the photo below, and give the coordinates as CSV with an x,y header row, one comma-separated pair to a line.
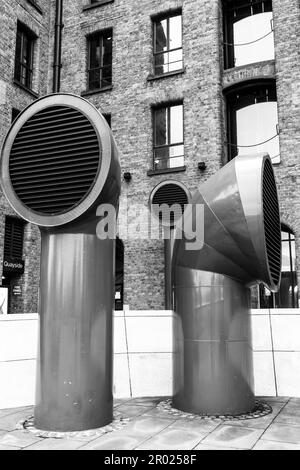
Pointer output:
x,y
74,384
212,336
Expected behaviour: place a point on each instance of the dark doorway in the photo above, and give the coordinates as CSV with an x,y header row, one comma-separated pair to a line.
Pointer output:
x,y
119,282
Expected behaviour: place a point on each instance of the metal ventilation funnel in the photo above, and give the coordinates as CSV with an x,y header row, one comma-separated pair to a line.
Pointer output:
x,y
59,163
213,370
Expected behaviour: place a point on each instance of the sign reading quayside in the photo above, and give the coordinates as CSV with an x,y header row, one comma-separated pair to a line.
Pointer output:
x,y
59,163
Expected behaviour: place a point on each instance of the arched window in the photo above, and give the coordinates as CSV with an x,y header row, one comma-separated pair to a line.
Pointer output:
x,y
287,296
248,32
252,120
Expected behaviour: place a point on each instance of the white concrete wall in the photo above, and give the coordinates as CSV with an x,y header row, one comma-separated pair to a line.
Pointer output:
x,y
276,346
143,354
18,350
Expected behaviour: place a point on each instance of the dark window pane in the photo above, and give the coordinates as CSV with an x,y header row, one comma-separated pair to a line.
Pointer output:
x,y
161,36
161,158
14,114
107,50
107,117
106,76
95,55
13,238
161,126
94,79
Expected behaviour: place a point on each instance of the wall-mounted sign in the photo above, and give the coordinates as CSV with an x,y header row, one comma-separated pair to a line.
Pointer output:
x,y
13,266
3,300
17,290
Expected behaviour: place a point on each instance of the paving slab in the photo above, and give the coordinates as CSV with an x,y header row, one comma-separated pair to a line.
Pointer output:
x,y
173,439
18,439
263,444
283,433
234,436
55,444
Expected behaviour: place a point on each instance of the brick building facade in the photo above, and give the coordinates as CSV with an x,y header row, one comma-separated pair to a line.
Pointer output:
x,y
202,84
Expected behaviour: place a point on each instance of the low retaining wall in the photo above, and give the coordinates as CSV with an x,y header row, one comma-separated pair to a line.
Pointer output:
x,y
143,351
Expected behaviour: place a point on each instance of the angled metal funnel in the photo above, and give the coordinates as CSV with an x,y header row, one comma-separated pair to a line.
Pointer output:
x,y
213,370
59,163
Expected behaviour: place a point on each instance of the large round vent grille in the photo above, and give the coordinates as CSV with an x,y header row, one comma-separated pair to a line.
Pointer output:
x,y
54,160
171,194
271,222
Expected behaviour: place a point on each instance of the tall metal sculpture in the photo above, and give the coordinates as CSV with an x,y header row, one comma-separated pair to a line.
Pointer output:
x,y
213,372
59,163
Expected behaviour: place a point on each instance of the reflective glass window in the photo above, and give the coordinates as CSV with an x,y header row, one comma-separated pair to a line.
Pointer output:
x,y
248,32
253,122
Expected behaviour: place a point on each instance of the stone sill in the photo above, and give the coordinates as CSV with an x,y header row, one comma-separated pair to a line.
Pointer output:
x,y
253,64
166,171
151,78
19,317
95,5
28,90
98,90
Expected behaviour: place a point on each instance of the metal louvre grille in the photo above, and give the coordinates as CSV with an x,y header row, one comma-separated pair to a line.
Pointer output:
x,y
54,160
13,238
170,194
271,222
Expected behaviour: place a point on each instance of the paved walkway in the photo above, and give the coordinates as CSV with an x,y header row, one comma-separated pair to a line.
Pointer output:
x,y
151,429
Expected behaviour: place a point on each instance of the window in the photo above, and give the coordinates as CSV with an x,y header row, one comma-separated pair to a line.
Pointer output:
x,y
14,114
13,238
107,117
24,56
168,137
100,60
248,32
168,44
287,296
252,120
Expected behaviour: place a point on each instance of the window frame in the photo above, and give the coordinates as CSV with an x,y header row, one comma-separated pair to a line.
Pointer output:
x,y
156,108
155,20
229,9
232,106
100,35
95,4
31,37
